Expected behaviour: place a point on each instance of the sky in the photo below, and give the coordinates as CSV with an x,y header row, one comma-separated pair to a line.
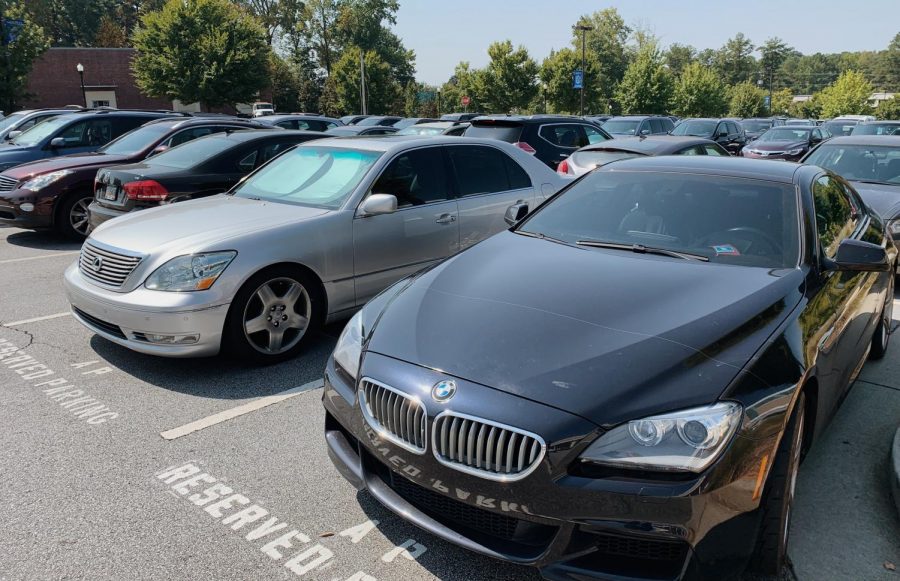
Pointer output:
x,y
442,32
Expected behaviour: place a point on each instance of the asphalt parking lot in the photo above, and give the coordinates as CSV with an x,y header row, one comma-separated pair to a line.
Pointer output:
x,y
104,454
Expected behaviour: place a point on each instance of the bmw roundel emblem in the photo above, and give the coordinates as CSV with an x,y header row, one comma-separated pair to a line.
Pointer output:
x,y
443,391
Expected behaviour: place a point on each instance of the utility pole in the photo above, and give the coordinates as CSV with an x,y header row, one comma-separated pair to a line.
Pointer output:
x,y
583,28
362,83
80,68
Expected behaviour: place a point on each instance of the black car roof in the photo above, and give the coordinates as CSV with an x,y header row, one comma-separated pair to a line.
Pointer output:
x,y
874,140
885,122
650,144
528,118
777,171
179,122
254,134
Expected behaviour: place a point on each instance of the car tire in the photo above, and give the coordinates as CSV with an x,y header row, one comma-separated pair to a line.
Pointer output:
x,y
274,315
882,335
777,504
72,217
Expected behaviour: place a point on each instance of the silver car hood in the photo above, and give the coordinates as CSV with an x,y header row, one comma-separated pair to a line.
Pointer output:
x,y
197,225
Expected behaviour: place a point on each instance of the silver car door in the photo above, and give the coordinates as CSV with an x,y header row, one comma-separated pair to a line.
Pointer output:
x,y
423,230
487,183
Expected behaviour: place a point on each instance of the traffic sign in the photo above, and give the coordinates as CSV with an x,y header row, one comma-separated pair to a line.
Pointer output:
x,y
12,27
578,79
465,100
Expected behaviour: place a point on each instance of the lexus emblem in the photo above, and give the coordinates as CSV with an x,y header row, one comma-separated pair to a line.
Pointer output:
x,y
97,264
443,391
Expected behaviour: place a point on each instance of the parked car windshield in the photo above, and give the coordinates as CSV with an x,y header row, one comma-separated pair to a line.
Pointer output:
x,y
10,120
137,140
785,134
41,131
419,130
839,128
322,177
696,128
870,129
859,162
756,126
193,153
621,126
732,220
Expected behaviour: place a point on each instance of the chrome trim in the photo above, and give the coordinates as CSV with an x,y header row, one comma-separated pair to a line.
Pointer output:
x,y
8,184
480,444
105,267
399,421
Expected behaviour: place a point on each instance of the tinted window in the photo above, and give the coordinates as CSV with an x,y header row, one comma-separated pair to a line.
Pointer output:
x,y
667,124
194,152
593,136
518,177
817,134
136,140
697,128
714,150
189,135
122,125
859,162
693,150
287,124
656,126
741,221
621,126
507,133
478,170
87,133
416,177
564,135
756,126
836,218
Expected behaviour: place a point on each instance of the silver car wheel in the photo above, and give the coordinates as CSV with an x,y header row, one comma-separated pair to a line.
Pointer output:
x,y
277,316
79,217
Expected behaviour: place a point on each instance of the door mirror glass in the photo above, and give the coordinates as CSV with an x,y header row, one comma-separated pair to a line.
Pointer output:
x,y
515,213
859,256
57,142
378,204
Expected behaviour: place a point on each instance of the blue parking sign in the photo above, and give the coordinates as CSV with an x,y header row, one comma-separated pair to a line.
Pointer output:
x,y
768,101
12,27
578,79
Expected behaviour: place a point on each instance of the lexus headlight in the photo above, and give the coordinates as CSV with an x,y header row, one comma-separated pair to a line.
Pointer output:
x,y
37,183
349,346
193,272
688,440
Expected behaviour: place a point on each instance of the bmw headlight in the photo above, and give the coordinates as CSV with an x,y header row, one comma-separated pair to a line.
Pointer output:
x,y
37,183
193,272
349,346
687,440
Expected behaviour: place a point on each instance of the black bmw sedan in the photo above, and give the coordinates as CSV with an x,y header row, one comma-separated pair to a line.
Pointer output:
x,y
624,383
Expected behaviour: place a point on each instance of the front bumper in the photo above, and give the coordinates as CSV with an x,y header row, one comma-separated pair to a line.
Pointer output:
x,y
126,318
12,214
570,526
773,156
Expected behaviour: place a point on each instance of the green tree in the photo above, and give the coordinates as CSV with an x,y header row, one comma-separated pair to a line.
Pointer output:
x,y
110,33
889,109
849,95
746,100
316,27
556,83
70,22
807,109
461,84
509,82
382,92
647,86
209,51
807,74
699,93
781,102
735,60
270,14
679,56
285,84
606,47
773,53
28,46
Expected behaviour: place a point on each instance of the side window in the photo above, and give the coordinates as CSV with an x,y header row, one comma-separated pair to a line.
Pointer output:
x,y
720,129
817,134
122,125
668,125
189,135
478,170
518,177
593,136
267,152
713,150
416,177
656,126
562,135
693,150
301,124
30,123
87,133
836,218
287,124
248,162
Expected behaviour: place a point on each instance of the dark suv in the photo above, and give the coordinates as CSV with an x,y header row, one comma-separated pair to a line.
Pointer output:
x,y
636,125
726,132
18,122
79,132
550,138
55,193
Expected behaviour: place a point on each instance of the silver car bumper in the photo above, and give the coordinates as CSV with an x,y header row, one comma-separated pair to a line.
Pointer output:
x,y
128,318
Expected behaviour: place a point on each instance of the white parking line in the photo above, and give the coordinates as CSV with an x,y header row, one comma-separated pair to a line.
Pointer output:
x,y
56,255
238,411
36,319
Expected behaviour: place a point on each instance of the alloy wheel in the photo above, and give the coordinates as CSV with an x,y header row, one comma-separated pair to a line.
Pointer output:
x,y
79,216
277,316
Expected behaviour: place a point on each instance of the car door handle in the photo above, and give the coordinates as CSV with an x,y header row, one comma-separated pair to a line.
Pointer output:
x,y
446,219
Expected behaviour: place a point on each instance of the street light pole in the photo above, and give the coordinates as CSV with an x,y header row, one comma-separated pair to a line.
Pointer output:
x,y
80,68
583,28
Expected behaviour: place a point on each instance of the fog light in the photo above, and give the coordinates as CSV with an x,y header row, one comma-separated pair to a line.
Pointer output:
x,y
171,339
27,207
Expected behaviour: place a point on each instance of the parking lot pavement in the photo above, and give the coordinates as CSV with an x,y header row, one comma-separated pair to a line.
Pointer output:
x,y
92,489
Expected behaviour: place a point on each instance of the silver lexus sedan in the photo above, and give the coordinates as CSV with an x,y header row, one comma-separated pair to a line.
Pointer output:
x,y
306,239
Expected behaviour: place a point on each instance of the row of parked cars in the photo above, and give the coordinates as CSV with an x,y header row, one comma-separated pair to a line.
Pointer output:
x,y
595,356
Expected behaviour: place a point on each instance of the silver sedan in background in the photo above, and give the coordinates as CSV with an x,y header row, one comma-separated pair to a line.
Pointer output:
x,y
306,239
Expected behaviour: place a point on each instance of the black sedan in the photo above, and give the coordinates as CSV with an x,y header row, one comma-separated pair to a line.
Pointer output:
x,y
788,143
624,383
726,132
203,167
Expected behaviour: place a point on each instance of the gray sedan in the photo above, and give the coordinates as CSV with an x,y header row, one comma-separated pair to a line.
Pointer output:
x,y
306,239
599,154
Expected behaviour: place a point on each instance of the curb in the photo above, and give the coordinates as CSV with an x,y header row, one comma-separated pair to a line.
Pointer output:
x,y
895,470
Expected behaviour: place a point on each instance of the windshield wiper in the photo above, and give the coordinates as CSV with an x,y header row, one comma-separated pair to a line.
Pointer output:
x,y
540,236
641,249
876,182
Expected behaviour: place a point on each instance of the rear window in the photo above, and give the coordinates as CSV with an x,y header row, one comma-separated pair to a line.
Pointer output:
x,y
193,153
622,126
503,131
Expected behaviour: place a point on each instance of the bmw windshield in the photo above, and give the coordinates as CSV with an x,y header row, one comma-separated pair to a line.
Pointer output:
x,y
321,177
731,220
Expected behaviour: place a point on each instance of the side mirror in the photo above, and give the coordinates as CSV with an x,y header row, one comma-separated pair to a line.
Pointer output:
x,y
158,149
378,204
57,142
515,213
645,132
858,256
12,135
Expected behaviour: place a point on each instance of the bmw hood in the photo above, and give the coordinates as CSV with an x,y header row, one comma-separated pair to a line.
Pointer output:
x,y
882,198
197,225
608,335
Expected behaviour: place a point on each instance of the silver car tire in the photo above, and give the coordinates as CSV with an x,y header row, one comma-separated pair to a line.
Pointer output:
x,y
274,315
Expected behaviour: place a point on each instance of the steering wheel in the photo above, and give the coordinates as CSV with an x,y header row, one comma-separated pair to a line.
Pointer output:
x,y
773,244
